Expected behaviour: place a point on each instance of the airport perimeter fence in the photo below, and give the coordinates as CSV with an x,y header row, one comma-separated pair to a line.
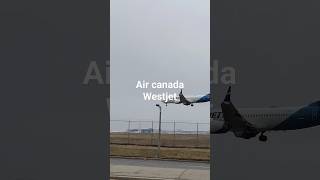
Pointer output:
x,y
172,134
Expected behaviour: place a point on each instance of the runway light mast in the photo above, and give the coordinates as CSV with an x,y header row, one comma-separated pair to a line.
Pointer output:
x,y
159,133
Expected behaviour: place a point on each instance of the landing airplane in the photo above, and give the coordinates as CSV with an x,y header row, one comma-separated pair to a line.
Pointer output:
x,y
248,123
188,100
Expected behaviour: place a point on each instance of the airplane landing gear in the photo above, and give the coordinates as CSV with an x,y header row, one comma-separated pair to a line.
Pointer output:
x,y
191,104
263,138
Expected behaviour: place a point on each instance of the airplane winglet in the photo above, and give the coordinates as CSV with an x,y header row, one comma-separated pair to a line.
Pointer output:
x,y
228,95
183,99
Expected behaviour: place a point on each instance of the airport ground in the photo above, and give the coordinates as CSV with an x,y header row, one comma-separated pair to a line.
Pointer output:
x,y
179,146
167,140
149,152
138,169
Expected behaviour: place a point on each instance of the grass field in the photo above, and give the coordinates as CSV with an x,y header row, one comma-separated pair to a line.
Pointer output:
x,y
167,140
165,153
179,146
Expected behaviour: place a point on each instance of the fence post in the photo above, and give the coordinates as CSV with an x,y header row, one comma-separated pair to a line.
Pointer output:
x,y
151,133
197,134
129,132
174,133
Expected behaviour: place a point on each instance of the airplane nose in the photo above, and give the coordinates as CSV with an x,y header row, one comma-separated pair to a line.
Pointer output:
x,y
315,104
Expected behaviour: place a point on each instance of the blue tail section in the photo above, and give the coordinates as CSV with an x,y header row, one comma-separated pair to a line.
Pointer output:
x,y
205,98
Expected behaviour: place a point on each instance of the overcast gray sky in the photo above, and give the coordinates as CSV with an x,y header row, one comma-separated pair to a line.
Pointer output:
x,y
164,40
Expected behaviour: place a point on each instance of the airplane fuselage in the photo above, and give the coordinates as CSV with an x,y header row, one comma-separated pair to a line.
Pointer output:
x,y
271,119
188,100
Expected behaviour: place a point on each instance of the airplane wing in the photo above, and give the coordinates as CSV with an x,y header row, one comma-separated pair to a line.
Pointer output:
x,y
236,122
183,99
189,100
175,101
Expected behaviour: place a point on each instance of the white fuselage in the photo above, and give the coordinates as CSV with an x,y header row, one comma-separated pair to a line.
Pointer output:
x,y
190,99
262,119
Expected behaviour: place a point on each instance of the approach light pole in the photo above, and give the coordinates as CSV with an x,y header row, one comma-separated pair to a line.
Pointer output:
x,y
159,133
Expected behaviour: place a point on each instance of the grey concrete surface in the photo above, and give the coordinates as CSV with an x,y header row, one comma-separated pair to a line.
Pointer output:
x,y
138,169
